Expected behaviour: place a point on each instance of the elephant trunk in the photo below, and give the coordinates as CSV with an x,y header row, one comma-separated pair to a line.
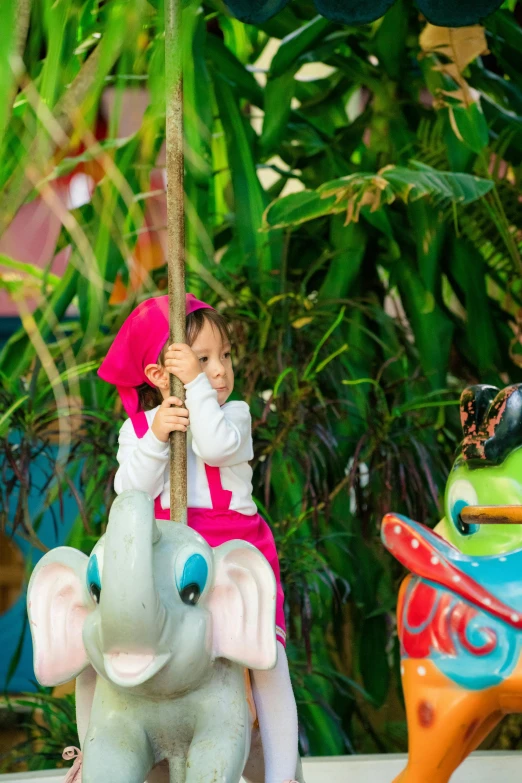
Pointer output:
x,y
132,614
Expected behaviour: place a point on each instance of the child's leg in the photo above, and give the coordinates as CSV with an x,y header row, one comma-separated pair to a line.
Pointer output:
x,y
277,715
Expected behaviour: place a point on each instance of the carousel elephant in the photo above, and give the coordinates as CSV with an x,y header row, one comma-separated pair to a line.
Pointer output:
x,y
459,614
159,629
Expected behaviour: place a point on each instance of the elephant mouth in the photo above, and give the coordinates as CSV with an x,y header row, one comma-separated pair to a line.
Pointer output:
x,y
130,669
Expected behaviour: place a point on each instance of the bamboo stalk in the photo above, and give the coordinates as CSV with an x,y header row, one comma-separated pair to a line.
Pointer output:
x,y
176,241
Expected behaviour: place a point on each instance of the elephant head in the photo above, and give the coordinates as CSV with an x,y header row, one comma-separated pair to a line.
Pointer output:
x,y
152,607
487,472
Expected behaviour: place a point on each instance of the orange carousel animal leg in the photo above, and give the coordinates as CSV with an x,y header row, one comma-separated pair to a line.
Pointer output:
x,y
482,730
443,721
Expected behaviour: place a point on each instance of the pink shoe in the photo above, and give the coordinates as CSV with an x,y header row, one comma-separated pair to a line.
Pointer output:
x,y
75,773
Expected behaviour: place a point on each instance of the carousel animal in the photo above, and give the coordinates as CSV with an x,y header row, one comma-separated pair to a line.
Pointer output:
x,y
459,613
159,629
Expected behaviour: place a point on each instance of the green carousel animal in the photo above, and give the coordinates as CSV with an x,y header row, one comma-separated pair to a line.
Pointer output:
x,y
487,474
460,612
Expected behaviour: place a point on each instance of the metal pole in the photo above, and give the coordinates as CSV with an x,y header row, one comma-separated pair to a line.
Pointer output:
x,y
176,240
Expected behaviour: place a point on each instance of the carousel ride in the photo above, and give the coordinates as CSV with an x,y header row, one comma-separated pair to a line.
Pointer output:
x,y
161,649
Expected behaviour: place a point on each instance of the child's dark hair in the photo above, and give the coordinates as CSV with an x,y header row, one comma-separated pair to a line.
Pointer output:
x,y
150,396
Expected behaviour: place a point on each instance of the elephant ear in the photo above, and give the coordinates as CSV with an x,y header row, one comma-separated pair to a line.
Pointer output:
x,y
57,604
242,603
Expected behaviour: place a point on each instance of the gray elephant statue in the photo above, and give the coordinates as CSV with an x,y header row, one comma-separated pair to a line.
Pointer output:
x,y
159,629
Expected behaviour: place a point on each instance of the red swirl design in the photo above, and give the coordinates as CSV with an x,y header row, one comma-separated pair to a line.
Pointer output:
x,y
433,618
461,616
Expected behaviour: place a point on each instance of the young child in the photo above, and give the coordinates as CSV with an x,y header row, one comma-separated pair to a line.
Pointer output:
x,y
219,477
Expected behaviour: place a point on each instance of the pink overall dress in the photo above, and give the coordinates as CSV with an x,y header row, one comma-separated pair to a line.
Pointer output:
x,y
221,523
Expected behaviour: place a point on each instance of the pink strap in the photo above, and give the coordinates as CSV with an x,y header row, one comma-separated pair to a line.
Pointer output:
x,y
159,511
221,498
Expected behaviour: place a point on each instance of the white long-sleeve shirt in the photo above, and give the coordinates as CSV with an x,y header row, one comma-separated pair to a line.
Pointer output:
x,y
220,436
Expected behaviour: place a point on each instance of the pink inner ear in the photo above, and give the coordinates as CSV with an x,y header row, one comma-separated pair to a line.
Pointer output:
x,y
242,604
56,615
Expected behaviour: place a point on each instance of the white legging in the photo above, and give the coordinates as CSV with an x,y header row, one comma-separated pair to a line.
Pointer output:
x,y
277,715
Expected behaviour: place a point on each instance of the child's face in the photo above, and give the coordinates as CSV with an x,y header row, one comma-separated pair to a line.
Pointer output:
x,y
215,360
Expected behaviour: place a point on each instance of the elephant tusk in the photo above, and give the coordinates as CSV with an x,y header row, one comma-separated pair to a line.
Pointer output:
x,y
492,515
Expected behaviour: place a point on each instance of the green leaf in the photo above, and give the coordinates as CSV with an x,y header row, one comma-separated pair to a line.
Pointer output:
x,y
295,44
325,733
469,271
331,329
69,374
432,328
330,358
281,378
224,62
429,229
236,38
4,419
156,80
55,15
29,269
505,42
248,194
120,214
356,191
197,102
496,88
470,126
7,43
67,165
287,484
281,25
389,43
298,208
460,156
349,243
279,92
373,661
440,186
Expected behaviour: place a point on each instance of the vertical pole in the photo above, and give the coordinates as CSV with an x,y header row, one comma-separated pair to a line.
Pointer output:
x,y
176,240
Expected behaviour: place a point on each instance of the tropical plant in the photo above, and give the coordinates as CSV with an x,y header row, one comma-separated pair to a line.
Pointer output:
x,y
50,724
353,204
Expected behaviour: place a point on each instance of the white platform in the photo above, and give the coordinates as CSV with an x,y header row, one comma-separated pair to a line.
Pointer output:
x,y
479,768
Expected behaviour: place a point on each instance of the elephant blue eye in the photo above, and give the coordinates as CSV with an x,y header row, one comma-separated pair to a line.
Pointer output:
x,y
463,527
93,579
193,580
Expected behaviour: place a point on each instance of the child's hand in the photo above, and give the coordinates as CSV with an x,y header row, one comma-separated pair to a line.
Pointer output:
x,y
181,360
168,419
